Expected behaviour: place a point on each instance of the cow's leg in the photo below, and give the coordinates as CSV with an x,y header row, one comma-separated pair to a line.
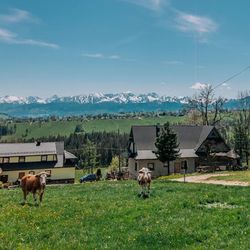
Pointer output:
x,y
34,197
149,188
24,196
41,196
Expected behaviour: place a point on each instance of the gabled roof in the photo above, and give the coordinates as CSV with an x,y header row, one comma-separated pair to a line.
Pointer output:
x,y
44,148
24,149
188,136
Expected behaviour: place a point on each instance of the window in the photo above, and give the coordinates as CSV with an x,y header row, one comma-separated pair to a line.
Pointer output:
x,y
21,159
54,157
151,166
21,175
32,172
135,166
6,160
48,171
1,160
44,158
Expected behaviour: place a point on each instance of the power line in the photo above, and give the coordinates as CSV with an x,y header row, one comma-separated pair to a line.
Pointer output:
x,y
231,77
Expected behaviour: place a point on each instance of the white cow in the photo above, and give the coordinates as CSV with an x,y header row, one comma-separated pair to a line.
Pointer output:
x,y
144,180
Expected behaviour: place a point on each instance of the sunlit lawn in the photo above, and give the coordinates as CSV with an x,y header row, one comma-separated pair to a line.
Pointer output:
x,y
110,215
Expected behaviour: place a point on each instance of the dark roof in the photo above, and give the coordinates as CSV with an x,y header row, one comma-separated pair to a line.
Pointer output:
x,y
189,136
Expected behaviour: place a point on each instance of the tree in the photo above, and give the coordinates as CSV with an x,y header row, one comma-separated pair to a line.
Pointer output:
x,y
242,127
206,103
88,156
79,128
114,165
167,148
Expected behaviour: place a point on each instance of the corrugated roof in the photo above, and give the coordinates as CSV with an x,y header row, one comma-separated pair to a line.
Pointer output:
x,y
144,137
23,149
188,136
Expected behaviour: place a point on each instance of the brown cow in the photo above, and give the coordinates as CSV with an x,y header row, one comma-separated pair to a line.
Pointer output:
x,y
34,183
144,180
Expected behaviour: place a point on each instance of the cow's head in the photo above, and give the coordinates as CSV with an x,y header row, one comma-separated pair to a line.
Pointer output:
x,y
42,177
144,171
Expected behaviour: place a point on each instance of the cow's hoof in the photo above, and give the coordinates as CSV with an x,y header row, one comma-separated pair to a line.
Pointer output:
x,y
145,196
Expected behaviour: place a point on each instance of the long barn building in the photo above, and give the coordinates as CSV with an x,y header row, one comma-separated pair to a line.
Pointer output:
x,y
19,159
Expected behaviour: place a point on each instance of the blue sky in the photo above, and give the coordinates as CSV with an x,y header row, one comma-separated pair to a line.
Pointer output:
x,y
171,47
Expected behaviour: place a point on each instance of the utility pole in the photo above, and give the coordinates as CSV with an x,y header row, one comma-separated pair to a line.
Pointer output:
x,y
119,153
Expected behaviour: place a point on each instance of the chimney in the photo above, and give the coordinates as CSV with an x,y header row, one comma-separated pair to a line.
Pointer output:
x,y
38,143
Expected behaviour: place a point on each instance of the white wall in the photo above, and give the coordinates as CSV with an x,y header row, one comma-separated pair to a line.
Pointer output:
x,y
159,169
56,173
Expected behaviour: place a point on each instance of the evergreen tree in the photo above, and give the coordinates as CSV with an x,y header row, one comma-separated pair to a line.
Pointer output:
x,y
167,148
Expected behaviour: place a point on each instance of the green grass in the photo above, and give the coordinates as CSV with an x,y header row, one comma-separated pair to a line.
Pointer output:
x,y
110,215
65,128
243,176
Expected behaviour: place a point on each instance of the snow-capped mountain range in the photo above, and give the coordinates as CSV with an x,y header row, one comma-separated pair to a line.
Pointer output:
x,y
121,98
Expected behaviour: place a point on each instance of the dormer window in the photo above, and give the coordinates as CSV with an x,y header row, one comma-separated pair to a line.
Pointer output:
x,y
21,159
44,158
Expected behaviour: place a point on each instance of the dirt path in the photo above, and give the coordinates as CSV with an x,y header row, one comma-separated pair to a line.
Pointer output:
x,y
205,179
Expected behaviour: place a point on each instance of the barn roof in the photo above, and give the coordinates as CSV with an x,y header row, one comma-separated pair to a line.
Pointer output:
x,y
188,136
43,148
24,149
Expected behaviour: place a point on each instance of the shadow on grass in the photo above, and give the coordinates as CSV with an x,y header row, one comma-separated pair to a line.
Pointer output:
x,y
144,196
29,204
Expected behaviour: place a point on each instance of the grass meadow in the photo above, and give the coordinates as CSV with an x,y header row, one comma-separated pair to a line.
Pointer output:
x,y
110,215
65,128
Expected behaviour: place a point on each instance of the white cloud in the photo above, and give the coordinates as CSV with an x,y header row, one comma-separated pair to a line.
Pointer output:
x,y
195,24
114,57
9,37
154,5
173,62
101,56
226,86
97,55
16,16
199,86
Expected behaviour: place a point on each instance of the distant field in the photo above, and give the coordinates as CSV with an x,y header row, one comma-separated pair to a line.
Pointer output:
x,y
65,128
110,215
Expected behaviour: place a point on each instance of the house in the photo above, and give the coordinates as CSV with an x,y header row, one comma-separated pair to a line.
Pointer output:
x,y
199,146
19,159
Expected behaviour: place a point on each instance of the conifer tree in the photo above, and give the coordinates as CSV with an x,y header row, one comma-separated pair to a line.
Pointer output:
x,y
167,148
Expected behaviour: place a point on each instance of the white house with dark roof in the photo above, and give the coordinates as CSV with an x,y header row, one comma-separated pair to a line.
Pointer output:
x,y
19,159
199,146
